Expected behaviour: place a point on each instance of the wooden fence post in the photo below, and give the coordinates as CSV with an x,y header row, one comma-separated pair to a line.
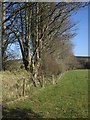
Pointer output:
x,y
23,92
53,79
43,81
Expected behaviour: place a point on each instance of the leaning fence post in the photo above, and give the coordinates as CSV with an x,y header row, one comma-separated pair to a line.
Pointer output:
x,y
43,81
23,92
53,79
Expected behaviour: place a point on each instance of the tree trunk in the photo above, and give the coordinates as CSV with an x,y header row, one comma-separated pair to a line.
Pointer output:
x,y
1,36
37,43
27,39
38,37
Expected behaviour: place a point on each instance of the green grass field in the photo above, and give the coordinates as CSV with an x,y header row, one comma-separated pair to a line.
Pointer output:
x,y
66,99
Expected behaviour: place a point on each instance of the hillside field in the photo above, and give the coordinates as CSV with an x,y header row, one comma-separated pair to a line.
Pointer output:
x,y
66,99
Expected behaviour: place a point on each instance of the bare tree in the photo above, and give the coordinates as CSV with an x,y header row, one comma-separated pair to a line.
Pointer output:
x,y
43,27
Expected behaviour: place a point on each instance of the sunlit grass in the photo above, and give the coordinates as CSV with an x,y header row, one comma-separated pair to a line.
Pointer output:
x,y
67,99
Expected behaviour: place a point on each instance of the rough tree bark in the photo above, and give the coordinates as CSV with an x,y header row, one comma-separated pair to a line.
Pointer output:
x,y
1,36
37,45
27,38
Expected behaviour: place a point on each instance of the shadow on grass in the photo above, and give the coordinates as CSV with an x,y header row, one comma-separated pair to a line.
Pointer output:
x,y
19,114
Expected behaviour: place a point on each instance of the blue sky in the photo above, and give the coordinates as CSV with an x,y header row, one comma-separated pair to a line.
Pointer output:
x,y
81,40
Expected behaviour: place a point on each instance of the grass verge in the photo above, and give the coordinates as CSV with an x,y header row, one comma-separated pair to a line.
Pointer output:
x,y
67,99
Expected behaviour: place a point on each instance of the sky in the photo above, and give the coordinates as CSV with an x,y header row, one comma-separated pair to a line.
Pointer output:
x,y
81,40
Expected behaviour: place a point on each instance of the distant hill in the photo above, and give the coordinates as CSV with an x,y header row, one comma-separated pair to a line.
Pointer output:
x,y
84,61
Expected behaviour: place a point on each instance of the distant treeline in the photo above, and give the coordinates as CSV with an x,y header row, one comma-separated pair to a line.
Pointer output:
x,y
84,62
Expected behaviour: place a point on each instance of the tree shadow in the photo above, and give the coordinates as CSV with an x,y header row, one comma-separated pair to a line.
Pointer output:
x,y
20,114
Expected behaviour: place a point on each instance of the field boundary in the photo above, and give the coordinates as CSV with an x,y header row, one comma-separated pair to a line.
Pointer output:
x,y
24,97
